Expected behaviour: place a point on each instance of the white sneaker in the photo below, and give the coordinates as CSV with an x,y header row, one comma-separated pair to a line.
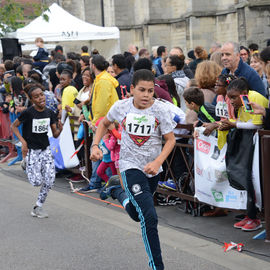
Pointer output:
x,y
39,212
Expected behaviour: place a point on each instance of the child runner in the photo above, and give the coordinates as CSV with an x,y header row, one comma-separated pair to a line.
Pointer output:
x,y
35,146
194,99
144,121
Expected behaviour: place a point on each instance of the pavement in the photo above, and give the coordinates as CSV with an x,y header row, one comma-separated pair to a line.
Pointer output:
x,y
83,232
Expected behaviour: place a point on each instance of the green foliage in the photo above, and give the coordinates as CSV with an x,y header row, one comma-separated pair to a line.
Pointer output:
x,y
13,16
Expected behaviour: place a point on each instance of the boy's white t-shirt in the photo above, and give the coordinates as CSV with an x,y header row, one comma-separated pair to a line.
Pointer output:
x,y
141,139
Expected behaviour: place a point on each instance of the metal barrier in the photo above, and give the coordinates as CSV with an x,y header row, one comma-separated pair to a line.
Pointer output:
x,y
189,178
265,157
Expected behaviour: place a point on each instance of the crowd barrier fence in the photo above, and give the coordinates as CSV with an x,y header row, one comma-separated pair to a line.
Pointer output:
x,y
6,140
189,162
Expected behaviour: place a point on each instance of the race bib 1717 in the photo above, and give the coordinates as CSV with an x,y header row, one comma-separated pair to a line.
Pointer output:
x,y
140,125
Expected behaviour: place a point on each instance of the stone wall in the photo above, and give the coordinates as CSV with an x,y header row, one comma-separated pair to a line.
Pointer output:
x,y
183,23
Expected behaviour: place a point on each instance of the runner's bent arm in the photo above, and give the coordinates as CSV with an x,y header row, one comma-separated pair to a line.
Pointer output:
x,y
153,167
56,132
16,131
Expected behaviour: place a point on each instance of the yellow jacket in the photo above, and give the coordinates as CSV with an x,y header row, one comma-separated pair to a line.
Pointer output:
x,y
104,95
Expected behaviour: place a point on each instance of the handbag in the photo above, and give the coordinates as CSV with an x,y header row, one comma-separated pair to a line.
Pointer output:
x,y
239,158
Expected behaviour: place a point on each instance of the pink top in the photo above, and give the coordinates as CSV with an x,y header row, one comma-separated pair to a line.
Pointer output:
x,y
114,147
220,98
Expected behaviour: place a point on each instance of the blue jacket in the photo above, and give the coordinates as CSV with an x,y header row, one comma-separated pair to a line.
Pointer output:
x,y
158,66
124,78
42,54
253,78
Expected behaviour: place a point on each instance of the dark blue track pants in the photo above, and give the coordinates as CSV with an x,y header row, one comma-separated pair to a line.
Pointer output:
x,y
139,189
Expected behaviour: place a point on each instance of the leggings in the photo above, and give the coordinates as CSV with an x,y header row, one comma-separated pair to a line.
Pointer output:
x,y
101,171
40,171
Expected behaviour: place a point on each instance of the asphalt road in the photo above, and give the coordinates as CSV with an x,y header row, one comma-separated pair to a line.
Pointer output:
x,y
81,233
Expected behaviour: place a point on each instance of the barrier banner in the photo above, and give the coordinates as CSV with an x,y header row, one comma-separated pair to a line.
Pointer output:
x,y
256,171
211,181
63,148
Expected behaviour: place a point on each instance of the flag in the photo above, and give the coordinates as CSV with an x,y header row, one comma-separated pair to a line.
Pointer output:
x,y
63,148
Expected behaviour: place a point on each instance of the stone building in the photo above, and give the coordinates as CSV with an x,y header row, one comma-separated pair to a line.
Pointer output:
x,y
184,23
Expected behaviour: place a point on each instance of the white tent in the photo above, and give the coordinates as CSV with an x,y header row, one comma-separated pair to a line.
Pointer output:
x,y
63,27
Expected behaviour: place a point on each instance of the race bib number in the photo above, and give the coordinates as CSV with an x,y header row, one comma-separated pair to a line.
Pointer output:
x,y
140,125
222,109
40,125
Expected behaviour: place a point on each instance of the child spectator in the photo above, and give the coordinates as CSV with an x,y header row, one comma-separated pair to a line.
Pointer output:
x,y
113,144
106,160
59,69
69,93
224,108
42,56
194,99
245,121
17,105
35,146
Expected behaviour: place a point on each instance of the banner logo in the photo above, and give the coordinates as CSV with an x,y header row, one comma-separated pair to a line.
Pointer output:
x,y
203,146
218,196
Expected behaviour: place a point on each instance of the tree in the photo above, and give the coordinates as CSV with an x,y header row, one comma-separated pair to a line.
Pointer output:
x,y
13,15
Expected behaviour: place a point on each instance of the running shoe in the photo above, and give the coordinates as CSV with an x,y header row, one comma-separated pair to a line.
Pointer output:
x,y
23,164
39,212
252,225
161,199
242,223
89,189
169,184
160,183
77,178
113,182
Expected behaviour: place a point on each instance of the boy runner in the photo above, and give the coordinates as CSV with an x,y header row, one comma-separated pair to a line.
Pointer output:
x,y
144,121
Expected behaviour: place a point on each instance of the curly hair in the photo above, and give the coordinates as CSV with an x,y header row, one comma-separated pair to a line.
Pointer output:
x,y
207,73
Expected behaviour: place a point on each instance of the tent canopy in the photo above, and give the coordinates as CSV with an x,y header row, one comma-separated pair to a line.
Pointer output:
x,y
62,26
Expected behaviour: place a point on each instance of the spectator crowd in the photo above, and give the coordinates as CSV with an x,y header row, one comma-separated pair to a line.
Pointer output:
x,y
201,88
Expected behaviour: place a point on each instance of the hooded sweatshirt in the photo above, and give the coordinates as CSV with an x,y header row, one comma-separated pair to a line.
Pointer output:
x,y
181,81
103,95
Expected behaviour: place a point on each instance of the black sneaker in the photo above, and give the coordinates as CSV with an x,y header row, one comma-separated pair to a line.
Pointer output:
x,y
113,182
